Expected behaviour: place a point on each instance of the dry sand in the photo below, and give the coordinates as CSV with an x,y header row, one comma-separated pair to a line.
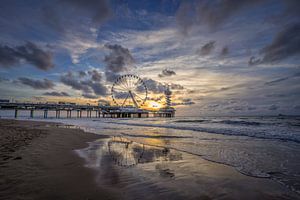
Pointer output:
x,y
37,162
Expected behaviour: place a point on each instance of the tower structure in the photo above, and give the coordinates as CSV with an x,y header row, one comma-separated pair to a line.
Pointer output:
x,y
168,94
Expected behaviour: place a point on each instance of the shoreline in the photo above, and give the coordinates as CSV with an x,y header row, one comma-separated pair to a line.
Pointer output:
x,y
48,167
40,162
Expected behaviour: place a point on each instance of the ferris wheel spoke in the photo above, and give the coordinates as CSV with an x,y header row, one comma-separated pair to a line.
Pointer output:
x,y
126,83
142,99
125,100
122,86
120,89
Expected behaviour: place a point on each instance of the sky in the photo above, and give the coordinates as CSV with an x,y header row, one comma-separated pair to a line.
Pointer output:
x,y
222,57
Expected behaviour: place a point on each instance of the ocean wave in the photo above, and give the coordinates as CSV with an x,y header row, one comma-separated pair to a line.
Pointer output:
x,y
260,134
191,121
234,122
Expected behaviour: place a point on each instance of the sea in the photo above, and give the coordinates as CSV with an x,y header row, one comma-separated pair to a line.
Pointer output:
x,y
262,147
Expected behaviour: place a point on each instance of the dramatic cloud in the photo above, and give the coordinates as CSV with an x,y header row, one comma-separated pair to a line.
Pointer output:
x,y
158,87
97,87
184,101
118,60
174,86
82,73
63,16
183,17
285,44
56,94
166,72
207,48
88,85
95,75
224,51
98,9
31,53
36,84
72,81
209,13
154,86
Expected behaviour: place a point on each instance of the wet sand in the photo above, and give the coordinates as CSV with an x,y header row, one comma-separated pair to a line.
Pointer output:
x,y
41,160
140,171
37,161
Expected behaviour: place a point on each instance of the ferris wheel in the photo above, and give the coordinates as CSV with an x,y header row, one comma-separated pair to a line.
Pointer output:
x,y
129,90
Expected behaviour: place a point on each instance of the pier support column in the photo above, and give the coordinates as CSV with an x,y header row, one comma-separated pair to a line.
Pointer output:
x,y
70,113
77,113
16,113
90,113
87,113
80,113
45,113
31,113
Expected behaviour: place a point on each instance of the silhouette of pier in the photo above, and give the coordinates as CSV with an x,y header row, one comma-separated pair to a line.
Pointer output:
x,y
90,111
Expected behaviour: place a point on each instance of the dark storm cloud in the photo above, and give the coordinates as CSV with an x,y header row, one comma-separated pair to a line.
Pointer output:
x,y
167,72
95,75
118,58
117,61
111,76
212,14
154,86
56,94
158,87
64,14
292,7
30,52
36,84
72,81
89,85
183,17
99,9
82,73
207,48
224,51
284,45
98,88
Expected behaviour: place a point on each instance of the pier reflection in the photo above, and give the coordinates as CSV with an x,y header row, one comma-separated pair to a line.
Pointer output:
x,y
127,153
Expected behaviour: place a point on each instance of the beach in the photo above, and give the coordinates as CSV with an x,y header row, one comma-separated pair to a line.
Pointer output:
x,y
38,162
44,160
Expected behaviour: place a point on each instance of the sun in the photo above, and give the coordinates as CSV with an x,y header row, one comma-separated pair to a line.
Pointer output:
x,y
153,105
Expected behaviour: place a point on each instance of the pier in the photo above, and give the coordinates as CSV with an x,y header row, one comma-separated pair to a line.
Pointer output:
x,y
91,111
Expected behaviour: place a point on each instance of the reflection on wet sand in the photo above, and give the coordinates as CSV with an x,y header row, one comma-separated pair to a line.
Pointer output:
x,y
139,171
127,153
